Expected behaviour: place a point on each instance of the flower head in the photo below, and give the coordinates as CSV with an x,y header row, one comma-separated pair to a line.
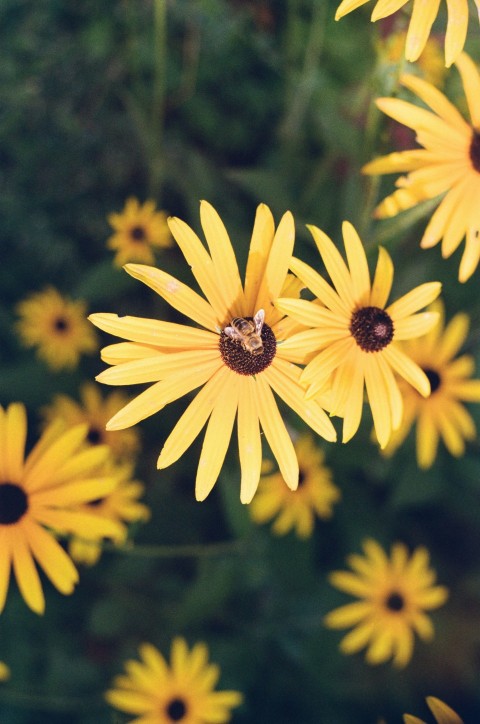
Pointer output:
x,y
57,327
139,229
448,165
353,340
441,415
37,494
182,692
236,379
315,495
395,592
423,17
442,712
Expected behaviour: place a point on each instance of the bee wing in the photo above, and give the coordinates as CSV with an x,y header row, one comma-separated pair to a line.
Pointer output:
x,y
259,319
232,333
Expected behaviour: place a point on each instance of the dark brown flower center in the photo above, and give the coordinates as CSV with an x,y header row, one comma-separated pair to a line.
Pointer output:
x,y
395,601
475,150
13,503
301,477
371,328
434,379
60,324
176,709
137,233
238,358
94,436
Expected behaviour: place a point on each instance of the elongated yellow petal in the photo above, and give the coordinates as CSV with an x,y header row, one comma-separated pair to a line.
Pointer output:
x,y
347,6
471,86
6,540
115,354
383,279
15,433
154,369
150,331
86,525
453,337
420,119
442,713
426,439
437,101
406,368
80,491
423,16
415,326
399,161
457,26
249,441
277,266
349,378
471,255
42,470
414,300
335,265
78,466
357,261
378,399
319,287
26,573
260,245
51,557
308,313
384,8
304,343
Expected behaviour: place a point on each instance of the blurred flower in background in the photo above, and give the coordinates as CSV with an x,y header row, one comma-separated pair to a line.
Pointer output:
x,y
395,592
57,327
297,510
441,415
139,230
430,64
180,692
442,712
4,672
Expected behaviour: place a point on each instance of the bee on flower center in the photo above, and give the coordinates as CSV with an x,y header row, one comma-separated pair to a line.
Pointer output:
x,y
247,332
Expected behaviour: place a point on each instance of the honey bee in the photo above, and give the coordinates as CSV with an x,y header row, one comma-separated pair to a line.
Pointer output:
x,y
247,332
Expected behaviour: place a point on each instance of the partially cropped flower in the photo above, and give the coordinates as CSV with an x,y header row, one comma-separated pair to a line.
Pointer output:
x,y
442,712
120,505
96,410
37,494
354,337
4,672
297,510
430,64
232,355
441,415
423,16
57,327
394,594
184,691
139,230
448,165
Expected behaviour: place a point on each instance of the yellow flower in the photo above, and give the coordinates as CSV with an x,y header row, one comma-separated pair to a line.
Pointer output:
x,y
96,410
57,326
236,379
4,672
120,505
443,714
430,64
395,594
423,17
315,495
448,165
354,336
37,494
182,692
441,415
139,229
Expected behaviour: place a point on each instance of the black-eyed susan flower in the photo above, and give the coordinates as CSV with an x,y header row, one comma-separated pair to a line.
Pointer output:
x,y
159,693
237,378
139,230
354,337
57,327
37,494
315,496
121,505
96,410
441,415
442,712
448,165
423,16
395,592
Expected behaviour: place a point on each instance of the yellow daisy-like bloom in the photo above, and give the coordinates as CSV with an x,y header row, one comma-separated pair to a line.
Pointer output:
x,y
448,164
96,410
441,415
236,375
139,229
442,712
4,672
297,509
120,505
395,594
354,336
423,16
39,492
57,326
182,692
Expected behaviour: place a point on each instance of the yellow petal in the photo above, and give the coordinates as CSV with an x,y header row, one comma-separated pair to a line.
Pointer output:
x,y
115,354
414,300
427,440
26,574
43,470
357,261
406,368
6,539
471,255
261,242
437,101
276,268
423,15
442,713
415,326
347,6
153,369
319,287
51,557
378,399
249,441
383,279
15,431
336,267
471,85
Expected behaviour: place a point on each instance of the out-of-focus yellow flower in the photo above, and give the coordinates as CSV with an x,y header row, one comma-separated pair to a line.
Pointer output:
x,y
4,672
139,230
430,64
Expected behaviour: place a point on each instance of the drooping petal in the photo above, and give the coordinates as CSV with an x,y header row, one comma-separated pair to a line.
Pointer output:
x,y
249,440
423,15
406,368
51,557
26,573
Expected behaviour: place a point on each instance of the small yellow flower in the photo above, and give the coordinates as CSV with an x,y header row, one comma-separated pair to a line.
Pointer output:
x,y
441,415
4,672
183,692
395,592
139,229
57,326
297,509
442,712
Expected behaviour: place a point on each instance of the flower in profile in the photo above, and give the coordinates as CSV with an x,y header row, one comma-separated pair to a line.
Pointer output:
x,y
139,229
237,371
442,712
57,327
395,592
423,17
96,410
183,691
354,337
120,505
448,165
441,415
37,494
315,495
